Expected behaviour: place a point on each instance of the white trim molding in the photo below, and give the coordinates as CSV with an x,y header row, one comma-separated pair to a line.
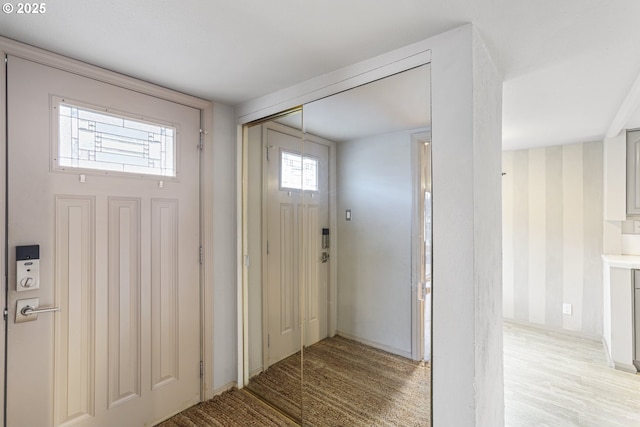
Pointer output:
x,y
331,83
12,47
627,108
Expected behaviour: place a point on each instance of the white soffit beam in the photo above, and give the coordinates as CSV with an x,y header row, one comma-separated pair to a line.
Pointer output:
x,y
626,110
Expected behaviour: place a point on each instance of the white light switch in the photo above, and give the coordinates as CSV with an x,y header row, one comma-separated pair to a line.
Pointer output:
x,y
567,309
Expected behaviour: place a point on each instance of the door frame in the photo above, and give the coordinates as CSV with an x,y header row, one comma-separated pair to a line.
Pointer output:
x,y
17,49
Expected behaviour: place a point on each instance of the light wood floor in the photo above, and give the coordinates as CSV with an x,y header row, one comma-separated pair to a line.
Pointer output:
x,y
554,379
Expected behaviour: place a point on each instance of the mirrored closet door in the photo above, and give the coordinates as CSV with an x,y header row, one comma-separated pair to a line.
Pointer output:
x,y
274,240
338,214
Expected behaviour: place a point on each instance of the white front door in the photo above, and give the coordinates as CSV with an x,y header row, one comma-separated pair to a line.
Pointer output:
x,y
118,256
297,213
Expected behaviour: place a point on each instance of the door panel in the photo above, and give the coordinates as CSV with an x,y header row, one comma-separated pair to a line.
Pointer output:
x,y
74,336
118,256
124,299
164,292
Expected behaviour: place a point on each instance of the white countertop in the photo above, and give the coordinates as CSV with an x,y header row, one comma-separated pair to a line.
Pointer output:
x,y
622,261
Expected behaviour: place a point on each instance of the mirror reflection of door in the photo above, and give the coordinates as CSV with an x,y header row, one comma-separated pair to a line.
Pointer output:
x,y
297,210
340,236
314,256
274,239
284,218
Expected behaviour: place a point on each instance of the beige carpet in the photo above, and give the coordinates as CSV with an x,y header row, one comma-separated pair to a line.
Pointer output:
x,y
234,408
348,384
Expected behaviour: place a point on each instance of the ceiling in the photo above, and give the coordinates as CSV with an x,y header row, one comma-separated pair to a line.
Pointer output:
x,y
396,103
569,66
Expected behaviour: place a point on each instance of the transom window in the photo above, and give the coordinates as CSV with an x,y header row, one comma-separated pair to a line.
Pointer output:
x,y
298,172
105,141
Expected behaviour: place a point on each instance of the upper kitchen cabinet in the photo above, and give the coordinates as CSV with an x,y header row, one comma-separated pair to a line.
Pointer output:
x,y
633,172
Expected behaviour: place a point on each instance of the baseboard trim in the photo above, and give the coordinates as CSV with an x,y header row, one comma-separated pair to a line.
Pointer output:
x,y
166,417
546,328
224,388
208,395
255,372
377,345
625,368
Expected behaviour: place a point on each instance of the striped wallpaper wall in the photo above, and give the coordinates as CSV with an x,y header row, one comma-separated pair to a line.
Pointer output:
x,y
552,236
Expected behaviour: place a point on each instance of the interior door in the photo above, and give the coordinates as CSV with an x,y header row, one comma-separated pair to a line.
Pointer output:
x,y
118,255
297,212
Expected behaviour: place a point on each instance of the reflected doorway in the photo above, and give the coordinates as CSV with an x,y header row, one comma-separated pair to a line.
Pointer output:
x,y
296,261
421,155
337,281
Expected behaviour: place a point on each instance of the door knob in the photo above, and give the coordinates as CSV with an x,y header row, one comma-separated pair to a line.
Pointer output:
x,y
27,310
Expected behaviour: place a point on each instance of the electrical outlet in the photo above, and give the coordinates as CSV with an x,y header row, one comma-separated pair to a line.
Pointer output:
x,y
636,227
566,309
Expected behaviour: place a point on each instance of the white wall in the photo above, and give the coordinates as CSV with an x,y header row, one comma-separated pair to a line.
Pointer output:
x,y
614,193
552,201
224,247
486,236
374,259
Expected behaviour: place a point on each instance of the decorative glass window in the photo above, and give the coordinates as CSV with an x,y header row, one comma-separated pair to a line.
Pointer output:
x,y
298,172
104,141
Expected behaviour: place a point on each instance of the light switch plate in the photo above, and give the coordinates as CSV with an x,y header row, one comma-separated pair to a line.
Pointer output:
x,y
567,309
